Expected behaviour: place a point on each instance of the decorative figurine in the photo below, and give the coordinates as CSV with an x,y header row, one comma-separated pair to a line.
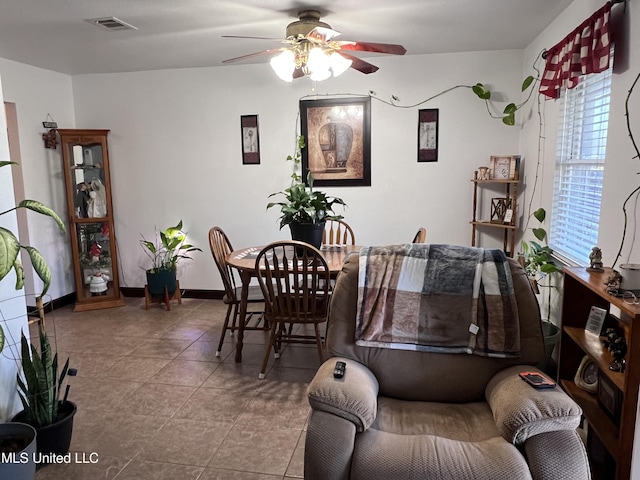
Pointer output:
x,y
484,171
97,283
595,259
613,282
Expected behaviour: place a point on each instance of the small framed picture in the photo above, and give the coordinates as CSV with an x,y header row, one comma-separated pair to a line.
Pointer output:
x,y
504,167
595,320
250,140
428,135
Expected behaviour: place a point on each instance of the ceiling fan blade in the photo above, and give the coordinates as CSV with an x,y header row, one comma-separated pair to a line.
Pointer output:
x,y
359,64
298,73
250,55
390,48
322,34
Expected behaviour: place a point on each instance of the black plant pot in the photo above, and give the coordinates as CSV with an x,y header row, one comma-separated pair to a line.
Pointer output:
x,y
310,233
54,438
19,439
158,280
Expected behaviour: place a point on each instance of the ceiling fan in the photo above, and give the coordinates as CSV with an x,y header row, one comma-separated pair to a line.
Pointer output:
x,y
313,52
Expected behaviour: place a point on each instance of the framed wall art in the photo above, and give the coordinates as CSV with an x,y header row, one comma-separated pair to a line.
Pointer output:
x,y
250,140
504,167
337,134
428,135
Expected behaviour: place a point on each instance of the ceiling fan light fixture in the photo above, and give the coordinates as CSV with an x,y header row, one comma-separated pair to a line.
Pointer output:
x,y
284,64
339,64
318,61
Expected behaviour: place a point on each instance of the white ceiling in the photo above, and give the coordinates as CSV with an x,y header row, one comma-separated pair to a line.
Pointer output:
x,y
54,35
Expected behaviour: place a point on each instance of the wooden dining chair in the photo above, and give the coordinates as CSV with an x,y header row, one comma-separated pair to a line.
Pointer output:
x,y
338,232
294,278
220,247
421,236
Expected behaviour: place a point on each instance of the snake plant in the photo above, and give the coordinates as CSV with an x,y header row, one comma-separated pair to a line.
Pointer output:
x,y
40,390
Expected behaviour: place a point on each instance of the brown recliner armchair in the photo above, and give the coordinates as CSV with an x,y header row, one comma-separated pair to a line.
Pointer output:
x,y
407,415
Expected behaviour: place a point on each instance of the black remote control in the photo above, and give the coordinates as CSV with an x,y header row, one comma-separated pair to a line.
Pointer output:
x,y
338,371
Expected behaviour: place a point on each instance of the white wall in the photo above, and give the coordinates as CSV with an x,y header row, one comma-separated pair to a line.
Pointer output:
x,y
176,153
36,93
12,306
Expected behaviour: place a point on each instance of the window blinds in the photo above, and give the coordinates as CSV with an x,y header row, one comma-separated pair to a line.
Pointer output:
x,y
580,156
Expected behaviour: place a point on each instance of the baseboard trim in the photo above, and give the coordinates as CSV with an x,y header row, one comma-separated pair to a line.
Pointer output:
x,y
70,298
186,293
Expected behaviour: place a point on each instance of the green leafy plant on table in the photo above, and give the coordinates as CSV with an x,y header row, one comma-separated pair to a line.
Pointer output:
x,y
303,204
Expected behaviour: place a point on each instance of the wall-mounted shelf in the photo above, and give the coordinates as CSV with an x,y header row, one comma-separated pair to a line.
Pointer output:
x,y
508,226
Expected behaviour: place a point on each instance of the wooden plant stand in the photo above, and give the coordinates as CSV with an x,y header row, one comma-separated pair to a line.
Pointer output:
x,y
166,298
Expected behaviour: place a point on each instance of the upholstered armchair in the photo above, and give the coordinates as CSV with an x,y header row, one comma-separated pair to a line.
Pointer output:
x,y
399,414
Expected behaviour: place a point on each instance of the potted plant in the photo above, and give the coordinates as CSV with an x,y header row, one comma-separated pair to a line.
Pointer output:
x,y
304,209
40,394
168,249
18,440
537,260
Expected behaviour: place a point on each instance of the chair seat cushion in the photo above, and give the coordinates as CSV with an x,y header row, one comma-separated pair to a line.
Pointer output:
x,y
468,422
382,455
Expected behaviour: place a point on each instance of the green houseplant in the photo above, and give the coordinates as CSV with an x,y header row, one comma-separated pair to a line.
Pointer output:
x,y
304,209
15,437
40,393
168,249
538,263
537,257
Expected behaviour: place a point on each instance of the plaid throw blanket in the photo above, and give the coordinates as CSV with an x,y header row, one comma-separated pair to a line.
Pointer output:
x,y
437,298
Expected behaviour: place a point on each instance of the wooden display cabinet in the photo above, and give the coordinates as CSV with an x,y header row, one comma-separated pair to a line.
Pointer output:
x,y
582,290
85,158
509,226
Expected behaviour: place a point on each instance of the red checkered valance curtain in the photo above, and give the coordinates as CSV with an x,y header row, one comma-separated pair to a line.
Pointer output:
x,y
585,50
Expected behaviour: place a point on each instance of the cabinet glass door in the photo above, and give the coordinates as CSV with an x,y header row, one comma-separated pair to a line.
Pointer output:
x,y
87,167
94,252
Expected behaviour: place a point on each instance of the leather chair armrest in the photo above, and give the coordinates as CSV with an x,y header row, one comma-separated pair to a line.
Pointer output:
x,y
353,397
521,411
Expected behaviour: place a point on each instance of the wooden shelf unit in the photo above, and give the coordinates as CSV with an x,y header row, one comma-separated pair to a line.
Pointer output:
x,y
582,290
509,229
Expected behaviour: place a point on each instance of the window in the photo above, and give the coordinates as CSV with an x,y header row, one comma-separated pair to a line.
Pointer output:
x,y
580,154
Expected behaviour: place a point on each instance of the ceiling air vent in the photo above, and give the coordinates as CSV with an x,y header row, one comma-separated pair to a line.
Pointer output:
x,y
112,23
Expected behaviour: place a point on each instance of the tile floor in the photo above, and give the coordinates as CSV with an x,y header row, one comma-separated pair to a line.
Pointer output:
x,y
154,402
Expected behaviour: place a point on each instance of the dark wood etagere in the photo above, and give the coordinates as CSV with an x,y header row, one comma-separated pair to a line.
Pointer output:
x,y
85,157
582,290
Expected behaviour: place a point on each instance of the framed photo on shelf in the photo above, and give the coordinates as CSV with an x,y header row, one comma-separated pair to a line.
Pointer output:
x,y
504,167
428,135
595,320
337,133
250,140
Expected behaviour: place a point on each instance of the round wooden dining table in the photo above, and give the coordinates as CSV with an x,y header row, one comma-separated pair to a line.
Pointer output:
x,y
244,260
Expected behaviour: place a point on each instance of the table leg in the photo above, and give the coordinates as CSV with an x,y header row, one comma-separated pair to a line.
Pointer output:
x,y
244,295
